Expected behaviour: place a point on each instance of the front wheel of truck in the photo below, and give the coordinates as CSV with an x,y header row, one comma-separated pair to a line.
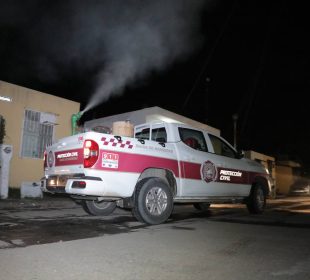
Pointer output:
x,y
256,202
98,208
153,201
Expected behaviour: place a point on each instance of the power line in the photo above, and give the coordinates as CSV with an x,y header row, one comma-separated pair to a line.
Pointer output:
x,y
204,67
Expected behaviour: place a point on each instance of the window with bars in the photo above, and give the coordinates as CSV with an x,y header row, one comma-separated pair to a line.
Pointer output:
x,y
38,132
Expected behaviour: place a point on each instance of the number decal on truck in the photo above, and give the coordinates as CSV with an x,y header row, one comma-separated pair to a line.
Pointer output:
x,y
110,160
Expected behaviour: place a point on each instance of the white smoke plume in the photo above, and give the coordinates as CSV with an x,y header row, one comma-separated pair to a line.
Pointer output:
x,y
145,36
112,42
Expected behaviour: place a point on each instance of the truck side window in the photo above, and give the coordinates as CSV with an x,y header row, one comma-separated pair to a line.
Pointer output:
x,y
221,148
143,134
193,138
159,134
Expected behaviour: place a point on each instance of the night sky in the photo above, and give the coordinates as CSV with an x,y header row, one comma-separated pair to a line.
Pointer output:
x,y
206,60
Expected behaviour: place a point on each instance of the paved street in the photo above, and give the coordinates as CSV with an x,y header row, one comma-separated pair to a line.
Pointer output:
x,y
28,222
56,239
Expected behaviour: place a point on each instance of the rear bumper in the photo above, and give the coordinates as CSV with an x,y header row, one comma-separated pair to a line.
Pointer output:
x,y
78,186
109,184
72,184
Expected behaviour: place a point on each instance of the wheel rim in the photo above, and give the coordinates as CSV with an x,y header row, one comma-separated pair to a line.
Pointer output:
x,y
156,201
260,197
101,204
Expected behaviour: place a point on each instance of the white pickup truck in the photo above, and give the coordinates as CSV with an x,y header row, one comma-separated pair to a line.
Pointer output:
x,y
163,164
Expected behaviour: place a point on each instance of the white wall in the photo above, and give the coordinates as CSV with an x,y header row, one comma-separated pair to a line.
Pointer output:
x,y
149,115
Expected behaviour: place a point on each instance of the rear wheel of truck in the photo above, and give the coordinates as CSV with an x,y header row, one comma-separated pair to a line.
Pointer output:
x,y
98,208
256,202
153,201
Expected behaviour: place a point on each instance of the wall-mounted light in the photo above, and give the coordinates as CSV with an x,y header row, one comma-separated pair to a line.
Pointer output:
x,y
6,98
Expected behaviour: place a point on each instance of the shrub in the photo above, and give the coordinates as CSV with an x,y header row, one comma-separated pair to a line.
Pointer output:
x,y
2,129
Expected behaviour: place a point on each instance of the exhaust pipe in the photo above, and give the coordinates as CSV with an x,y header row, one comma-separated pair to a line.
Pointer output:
x,y
74,122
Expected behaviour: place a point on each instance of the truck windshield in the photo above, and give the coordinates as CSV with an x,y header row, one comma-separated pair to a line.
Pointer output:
x,y
221,148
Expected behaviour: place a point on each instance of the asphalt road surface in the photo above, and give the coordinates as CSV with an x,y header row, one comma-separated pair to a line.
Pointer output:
x,y
50,241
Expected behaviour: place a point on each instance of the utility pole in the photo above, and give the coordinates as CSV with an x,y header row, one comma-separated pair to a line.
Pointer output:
x,y
235,119
206,99
211,53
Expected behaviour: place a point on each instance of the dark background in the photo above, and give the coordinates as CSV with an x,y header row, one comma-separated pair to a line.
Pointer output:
x,y
252,59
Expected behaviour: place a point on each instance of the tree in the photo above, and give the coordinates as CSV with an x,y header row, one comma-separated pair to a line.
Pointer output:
x,y
2,129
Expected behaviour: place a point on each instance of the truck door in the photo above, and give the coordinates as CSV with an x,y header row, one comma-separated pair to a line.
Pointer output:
x,y
201,167
232,172
193,153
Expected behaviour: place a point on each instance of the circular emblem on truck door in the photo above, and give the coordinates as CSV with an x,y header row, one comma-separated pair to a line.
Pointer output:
x,y
208,171
50,159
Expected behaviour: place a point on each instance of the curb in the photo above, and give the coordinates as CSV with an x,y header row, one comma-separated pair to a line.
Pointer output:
x,y
37,203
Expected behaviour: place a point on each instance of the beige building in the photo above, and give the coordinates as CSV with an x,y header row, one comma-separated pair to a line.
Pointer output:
x,y
33,119
288,176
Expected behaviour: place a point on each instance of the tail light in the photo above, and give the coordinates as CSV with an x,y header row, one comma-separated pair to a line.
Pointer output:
x,y
45,160
91,153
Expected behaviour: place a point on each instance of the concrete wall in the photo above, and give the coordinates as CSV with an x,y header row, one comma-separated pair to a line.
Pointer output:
x,y
288,176
152,114
285,179
28,169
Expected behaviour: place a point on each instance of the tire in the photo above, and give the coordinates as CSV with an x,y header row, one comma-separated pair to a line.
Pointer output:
x,y
98,208
153,202
257,200
202,206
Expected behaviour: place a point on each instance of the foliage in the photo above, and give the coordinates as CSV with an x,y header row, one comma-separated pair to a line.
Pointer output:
x,y
14,193
2,129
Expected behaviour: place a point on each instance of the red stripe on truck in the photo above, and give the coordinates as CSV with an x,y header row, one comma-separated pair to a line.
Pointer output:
x,y
127,162
137,163
69,157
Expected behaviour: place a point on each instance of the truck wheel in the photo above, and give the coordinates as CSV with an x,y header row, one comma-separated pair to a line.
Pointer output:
x,y
256,202
153,201
98,208
202,206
